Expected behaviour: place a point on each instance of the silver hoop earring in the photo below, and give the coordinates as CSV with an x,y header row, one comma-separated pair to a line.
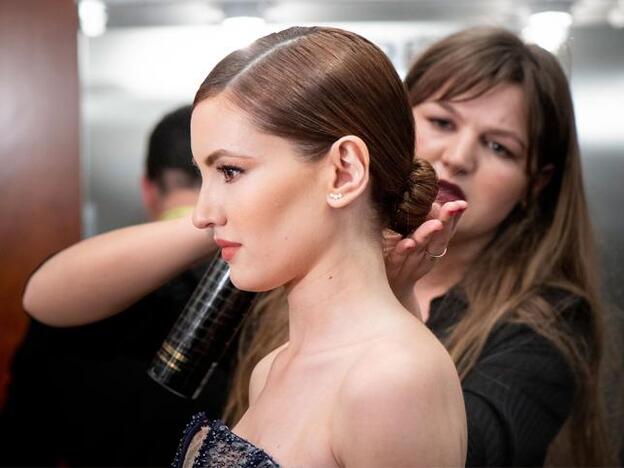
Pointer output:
x,y
335,196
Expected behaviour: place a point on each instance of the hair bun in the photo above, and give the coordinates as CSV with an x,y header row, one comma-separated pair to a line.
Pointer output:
x,y
415,203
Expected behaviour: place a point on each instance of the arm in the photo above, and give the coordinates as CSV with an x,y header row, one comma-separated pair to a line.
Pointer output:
x,y
103,275
517,397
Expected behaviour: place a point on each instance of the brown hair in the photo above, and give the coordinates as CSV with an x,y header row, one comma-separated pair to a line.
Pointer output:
x,y
313,86
546,240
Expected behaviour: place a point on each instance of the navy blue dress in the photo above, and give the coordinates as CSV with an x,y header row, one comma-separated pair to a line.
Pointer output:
x,y
218,447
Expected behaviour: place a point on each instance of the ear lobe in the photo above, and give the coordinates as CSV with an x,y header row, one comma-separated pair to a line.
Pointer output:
x,y
349,161
543,178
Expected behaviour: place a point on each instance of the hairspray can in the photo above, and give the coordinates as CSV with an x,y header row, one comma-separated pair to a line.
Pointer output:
x,y
202,332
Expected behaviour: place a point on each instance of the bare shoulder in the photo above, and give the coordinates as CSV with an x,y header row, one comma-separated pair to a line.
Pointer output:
x,y
412,359
401,404
260,373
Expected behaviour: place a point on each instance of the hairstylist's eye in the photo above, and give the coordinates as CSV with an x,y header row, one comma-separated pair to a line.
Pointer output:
x,y
442,124
229,172
499,149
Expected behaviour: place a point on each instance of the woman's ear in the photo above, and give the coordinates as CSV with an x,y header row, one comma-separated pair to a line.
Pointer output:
x,y
348,161
543,178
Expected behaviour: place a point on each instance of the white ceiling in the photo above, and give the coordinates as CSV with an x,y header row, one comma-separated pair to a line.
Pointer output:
x,y
513,13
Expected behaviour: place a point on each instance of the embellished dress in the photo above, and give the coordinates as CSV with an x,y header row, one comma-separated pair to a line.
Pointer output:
x,y
211,444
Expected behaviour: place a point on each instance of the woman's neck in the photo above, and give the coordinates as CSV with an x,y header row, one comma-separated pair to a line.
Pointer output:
x,y
450,269
342,300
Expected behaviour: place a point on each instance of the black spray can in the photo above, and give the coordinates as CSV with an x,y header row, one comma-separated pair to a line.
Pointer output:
x,y
202,332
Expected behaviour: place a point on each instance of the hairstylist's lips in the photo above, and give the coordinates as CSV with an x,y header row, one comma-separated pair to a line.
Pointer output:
x,y
449,192
228,249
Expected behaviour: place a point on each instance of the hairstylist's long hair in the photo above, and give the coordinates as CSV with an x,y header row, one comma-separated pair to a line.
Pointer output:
x,y
546,241
312,86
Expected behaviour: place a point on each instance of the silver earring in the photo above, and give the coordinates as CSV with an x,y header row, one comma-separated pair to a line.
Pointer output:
x,y
335,195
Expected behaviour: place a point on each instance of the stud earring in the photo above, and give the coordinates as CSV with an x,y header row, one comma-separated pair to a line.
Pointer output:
x,y
335,195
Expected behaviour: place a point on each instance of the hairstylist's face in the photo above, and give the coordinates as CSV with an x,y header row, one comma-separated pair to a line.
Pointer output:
x,y
478,149
261,200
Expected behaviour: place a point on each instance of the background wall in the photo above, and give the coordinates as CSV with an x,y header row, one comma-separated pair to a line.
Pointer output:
x,y
39,151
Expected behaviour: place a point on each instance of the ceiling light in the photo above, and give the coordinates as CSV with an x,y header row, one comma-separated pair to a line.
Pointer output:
x,y
93,17
616,16
548,29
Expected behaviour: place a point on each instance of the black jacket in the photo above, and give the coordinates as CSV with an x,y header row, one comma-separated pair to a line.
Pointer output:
x,y
521,389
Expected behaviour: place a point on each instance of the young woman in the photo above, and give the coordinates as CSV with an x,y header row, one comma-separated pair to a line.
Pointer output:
x,y
300,173
515,299
305,143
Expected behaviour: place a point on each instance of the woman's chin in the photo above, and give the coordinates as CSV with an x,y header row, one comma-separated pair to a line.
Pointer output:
x,y
245,283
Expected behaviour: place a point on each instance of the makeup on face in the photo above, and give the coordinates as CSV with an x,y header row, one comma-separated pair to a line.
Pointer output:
x,y
228,249
448,192
478,148
255,187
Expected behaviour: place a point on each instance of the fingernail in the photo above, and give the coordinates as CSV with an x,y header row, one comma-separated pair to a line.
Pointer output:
x,y
457,211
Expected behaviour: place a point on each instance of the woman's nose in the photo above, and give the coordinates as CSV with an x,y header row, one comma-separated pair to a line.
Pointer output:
x,y
460,156
208,212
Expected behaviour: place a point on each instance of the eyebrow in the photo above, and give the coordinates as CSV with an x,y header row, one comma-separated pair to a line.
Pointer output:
x,y
496,131
221,153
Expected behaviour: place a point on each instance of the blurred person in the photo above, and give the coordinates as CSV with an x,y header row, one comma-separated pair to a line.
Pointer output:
x,y
515,299
80,396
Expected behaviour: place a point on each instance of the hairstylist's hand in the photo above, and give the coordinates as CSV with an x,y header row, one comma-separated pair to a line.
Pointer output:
x,y
410,258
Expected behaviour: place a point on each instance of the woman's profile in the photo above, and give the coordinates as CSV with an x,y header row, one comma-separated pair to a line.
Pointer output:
x,y
305,143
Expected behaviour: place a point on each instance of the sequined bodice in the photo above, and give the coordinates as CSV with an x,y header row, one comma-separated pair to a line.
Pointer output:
x,y
207,444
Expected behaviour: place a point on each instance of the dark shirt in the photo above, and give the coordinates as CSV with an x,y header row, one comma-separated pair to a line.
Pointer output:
x,y
520,390
81,396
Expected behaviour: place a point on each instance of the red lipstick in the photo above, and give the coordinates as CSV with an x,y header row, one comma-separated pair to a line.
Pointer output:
x,y
449,192
228,249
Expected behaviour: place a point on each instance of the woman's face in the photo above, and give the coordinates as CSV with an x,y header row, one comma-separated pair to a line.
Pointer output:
x,y
262,201
478,148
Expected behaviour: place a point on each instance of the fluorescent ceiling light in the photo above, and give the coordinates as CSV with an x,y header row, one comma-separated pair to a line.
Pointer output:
x,y
93,17
548,29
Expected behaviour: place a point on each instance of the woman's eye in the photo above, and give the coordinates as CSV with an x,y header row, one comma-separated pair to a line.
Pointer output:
x,y
229,172
500,149
442,124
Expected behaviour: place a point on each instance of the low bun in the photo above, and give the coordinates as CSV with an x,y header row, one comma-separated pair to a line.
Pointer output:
x,y
414,205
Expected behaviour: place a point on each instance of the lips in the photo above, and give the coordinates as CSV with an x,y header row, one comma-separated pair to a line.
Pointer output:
x,y
449,192
228,249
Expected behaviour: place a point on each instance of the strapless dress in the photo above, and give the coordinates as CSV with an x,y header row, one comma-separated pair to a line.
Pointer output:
x,y
211,444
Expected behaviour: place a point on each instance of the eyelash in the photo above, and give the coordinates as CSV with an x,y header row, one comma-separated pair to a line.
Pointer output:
x,y
441,124
447,125
499,149
229,172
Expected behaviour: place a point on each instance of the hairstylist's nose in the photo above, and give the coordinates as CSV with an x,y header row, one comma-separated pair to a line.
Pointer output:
x,y
460,156
207,213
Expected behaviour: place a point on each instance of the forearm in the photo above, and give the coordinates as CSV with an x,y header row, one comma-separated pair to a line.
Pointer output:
x,y
103,275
